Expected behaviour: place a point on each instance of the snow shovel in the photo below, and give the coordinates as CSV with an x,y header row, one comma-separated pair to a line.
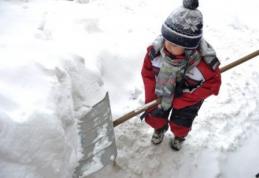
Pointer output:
x,y
97,133
97,139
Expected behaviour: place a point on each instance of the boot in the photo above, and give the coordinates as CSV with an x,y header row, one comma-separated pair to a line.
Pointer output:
x,y
158,135
176,143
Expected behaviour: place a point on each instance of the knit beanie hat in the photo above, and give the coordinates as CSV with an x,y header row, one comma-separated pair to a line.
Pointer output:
x,y
183,26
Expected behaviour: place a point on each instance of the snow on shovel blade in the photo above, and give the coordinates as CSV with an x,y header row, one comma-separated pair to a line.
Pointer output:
x,y
97,139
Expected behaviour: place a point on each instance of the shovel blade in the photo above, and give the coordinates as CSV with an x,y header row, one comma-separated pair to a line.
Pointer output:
x,y
97,139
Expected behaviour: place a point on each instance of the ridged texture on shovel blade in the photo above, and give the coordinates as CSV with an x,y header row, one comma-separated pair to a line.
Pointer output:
x,y
97,139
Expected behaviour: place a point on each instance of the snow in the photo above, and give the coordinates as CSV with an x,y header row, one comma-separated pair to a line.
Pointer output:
x,y
58,58
41,101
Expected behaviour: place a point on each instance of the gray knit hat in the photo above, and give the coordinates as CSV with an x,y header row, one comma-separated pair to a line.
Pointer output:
x,y
183,26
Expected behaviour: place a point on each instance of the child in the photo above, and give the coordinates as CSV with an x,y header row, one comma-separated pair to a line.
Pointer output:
x,y
182,69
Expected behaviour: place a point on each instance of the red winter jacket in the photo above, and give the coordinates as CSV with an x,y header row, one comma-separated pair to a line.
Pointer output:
x,y
209,83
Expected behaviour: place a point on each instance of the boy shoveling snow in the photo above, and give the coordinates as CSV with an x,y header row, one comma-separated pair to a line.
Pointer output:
x,y
182,69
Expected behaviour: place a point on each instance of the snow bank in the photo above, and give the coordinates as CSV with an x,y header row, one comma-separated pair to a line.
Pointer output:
x,y
42,96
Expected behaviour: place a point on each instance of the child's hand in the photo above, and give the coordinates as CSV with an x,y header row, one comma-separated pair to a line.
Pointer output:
x,y
160,112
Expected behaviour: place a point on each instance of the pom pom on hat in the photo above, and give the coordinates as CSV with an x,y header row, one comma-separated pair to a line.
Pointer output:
x,y
190,4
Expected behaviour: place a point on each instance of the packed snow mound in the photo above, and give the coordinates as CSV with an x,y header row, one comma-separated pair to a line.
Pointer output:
x,y
41,99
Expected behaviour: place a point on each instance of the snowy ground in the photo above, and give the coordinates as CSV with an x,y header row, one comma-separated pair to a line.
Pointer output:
x,y
70,52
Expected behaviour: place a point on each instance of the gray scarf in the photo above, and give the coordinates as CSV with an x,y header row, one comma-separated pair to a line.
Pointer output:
x,y
172,71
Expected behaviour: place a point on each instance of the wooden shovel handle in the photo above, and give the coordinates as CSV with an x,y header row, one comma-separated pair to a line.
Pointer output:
x,y
153,103
135,112
239,61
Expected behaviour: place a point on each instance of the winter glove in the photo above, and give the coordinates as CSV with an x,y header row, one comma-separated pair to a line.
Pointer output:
x,y
148,111
160,112
157,112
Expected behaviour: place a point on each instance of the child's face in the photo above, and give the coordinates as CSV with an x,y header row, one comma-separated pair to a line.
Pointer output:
x,y
173,49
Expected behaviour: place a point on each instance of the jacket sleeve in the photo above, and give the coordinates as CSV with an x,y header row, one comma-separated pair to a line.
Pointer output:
x,y
209,87
148,77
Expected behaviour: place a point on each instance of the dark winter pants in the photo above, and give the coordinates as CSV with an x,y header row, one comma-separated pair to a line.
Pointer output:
x,y
180,120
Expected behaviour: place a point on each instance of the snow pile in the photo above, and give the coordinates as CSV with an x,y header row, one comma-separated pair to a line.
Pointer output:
x,y
42,96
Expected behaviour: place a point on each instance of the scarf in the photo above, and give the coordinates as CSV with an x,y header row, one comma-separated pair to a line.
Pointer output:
x,y
171,72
